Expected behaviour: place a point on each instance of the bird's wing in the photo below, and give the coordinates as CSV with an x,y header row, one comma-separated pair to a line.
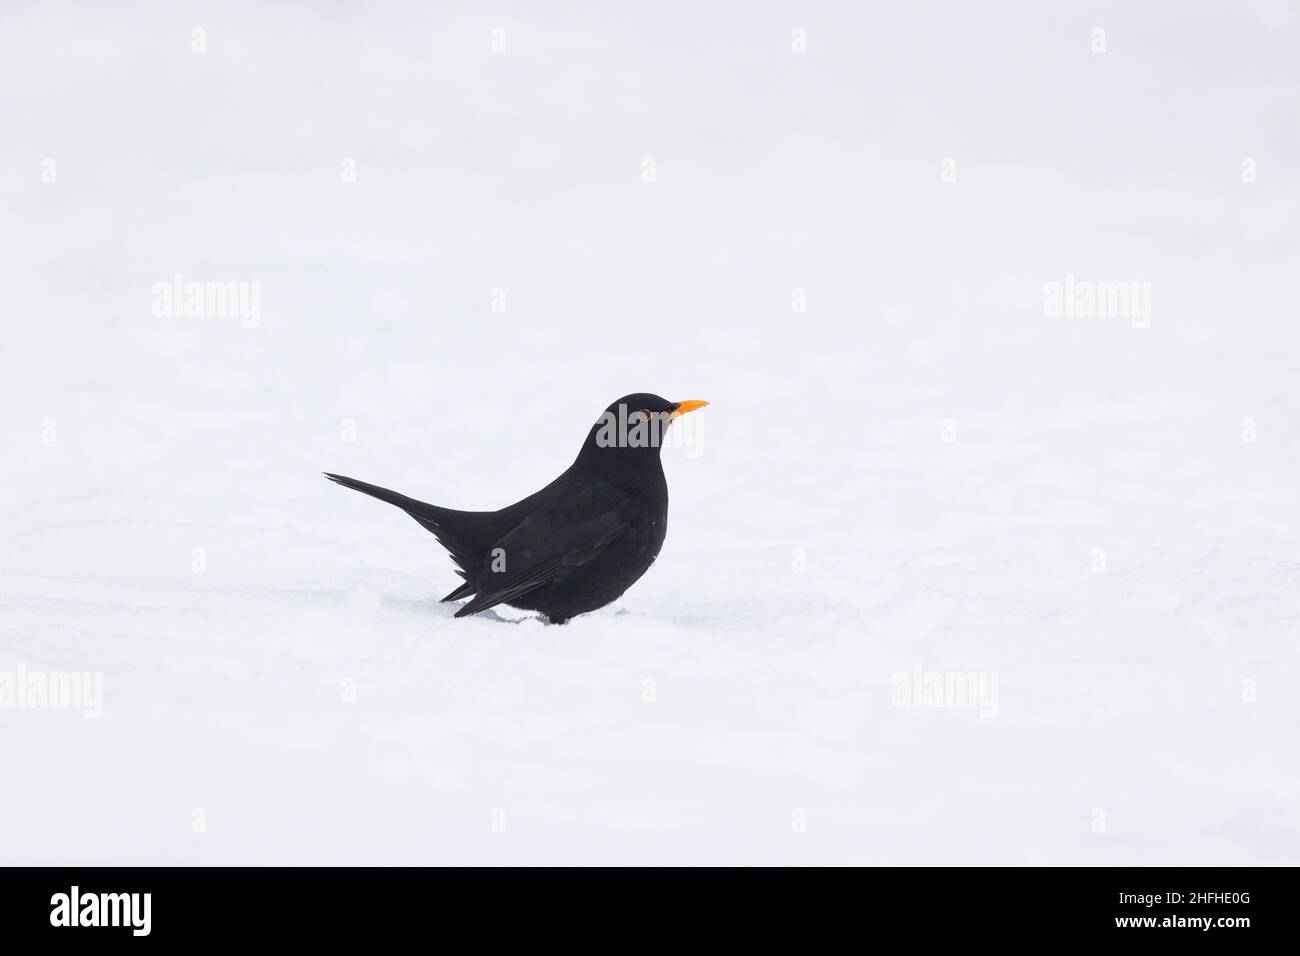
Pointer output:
x,y
544,547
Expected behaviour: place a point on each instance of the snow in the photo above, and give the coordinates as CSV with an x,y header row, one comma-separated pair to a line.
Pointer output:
x,y
921,472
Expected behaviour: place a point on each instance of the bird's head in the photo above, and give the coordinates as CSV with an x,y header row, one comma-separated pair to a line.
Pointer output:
x,y
632,429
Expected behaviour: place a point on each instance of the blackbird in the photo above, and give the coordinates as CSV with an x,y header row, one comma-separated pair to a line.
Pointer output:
x,y
581,541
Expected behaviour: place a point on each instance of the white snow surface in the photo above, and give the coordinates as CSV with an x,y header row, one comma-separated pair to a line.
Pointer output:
x,y
920,470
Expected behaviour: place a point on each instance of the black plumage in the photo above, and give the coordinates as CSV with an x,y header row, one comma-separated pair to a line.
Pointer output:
x,y
581,541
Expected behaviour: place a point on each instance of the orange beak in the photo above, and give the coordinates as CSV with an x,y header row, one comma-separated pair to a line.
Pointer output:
x,y
684,407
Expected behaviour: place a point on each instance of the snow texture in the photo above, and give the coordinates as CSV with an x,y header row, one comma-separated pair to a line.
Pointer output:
x,y
470,227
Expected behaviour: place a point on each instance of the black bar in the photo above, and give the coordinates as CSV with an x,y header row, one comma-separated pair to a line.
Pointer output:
x,y
367,905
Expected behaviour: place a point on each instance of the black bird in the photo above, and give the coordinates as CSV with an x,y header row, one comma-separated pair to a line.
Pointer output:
x,y
581,541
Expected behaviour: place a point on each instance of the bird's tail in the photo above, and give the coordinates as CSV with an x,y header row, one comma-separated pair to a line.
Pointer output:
x,y
457,531
383,494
